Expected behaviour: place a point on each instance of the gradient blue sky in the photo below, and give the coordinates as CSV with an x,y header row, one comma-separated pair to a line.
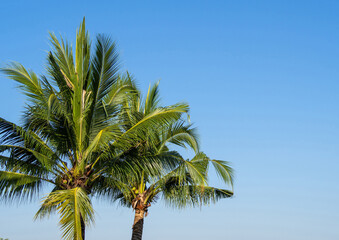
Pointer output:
x,y
262,79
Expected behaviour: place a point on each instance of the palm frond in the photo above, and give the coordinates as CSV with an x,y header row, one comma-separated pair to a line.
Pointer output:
x,y
63,59
15,186
74,207
28,80
224,171
180,135
159,117
25,145
105,66
193,195
152,99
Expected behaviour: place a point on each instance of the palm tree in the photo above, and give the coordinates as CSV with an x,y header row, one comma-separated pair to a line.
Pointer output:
x,y
74,132
179,188
181,183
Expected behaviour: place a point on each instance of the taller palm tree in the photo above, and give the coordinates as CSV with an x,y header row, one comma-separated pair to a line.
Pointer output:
x,y
73,131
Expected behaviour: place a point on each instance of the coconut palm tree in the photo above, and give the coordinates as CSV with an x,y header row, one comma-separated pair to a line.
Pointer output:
x,y
185,185
74,132
182,183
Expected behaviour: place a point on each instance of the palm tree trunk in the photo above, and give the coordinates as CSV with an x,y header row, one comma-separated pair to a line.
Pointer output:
x,y
138,224
82,228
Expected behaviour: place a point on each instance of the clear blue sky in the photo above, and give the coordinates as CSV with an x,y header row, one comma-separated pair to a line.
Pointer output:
x,y
262,79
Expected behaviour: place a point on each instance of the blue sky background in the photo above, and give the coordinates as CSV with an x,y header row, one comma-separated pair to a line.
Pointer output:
x,y
262,79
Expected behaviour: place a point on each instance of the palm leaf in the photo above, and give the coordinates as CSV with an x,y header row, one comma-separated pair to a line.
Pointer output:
x,y
18,186
152,99
224,171
28,80
193,195
74,207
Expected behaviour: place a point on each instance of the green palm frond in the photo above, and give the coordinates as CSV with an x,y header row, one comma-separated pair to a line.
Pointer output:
x,y
181,135
193,195
28,81
159,117
123,89
74,207
105,66
224,171
15,186
60,71
82,57
26,146
152,99
186,172
63,59
197,170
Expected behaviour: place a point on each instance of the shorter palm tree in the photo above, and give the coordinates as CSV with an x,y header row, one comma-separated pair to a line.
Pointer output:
x,y
184,185
180,182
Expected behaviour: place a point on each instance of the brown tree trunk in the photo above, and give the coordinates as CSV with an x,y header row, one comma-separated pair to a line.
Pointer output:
x,y
82,228
138,224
